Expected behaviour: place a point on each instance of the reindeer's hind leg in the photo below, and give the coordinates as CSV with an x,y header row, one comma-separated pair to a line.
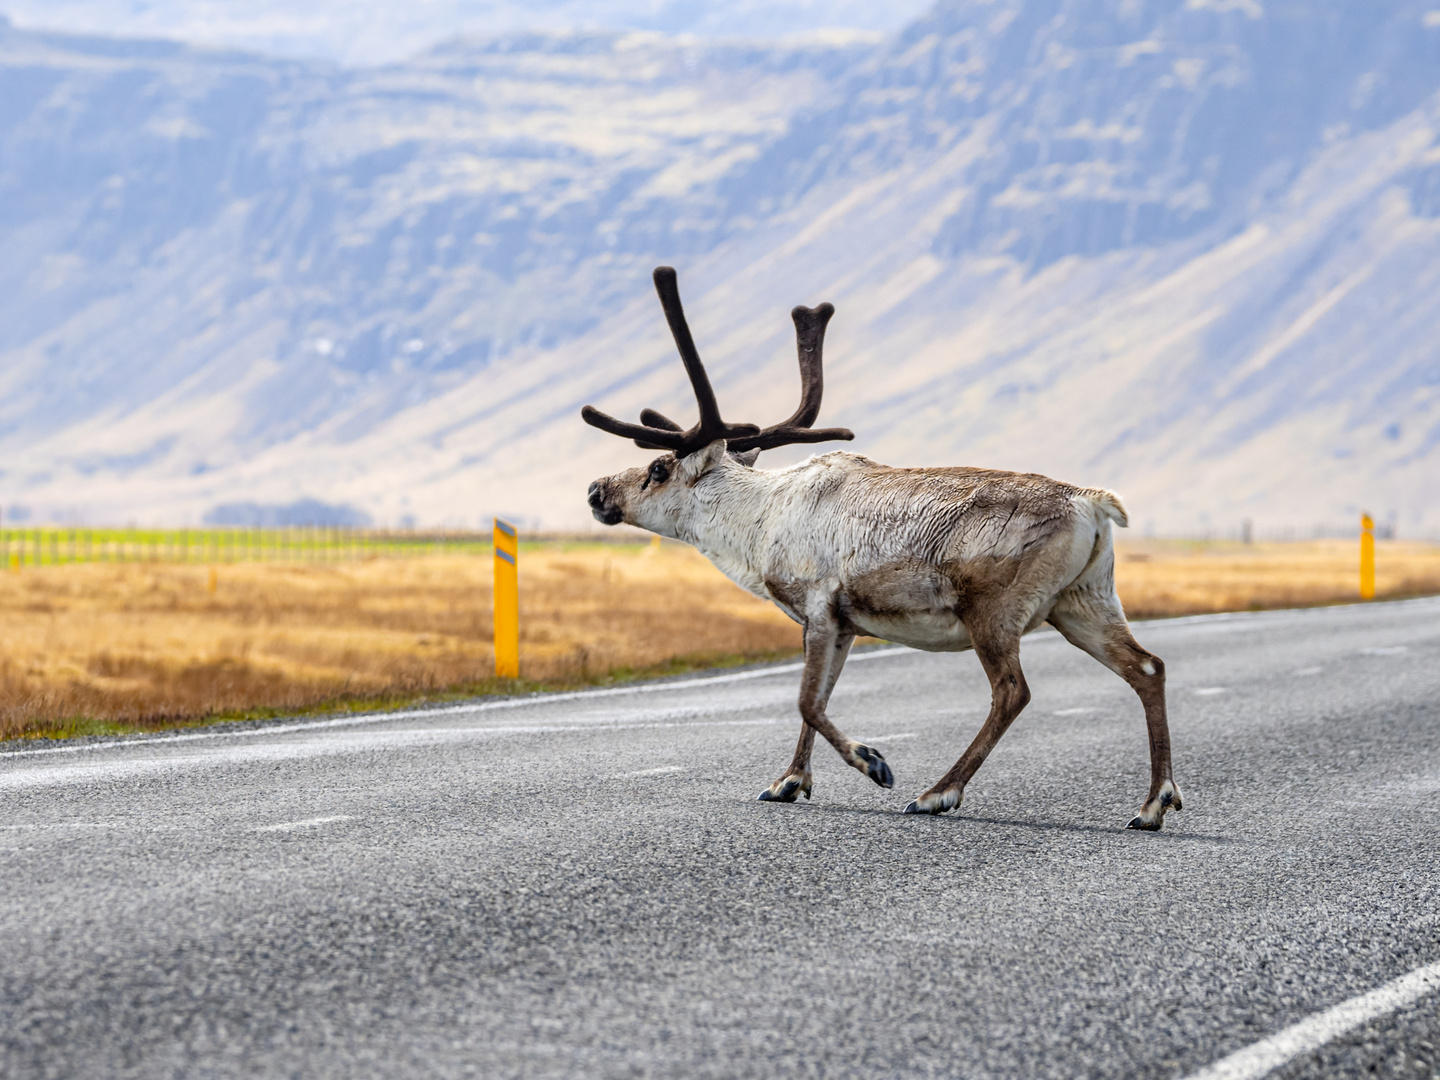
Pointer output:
x,y
998,648
1090,617
796,780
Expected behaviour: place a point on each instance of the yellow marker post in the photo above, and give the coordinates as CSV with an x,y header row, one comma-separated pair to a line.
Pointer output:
x,y
1367,557
507,601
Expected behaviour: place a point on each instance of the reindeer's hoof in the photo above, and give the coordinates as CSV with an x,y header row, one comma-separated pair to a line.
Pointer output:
x,y
786,788
1152,814
875,765
935,802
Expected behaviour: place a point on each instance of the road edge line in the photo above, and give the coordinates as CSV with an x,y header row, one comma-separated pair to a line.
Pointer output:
x,y
636,688
1310,1034
362,719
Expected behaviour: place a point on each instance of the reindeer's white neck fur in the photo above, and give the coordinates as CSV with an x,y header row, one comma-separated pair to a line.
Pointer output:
x,y
732,513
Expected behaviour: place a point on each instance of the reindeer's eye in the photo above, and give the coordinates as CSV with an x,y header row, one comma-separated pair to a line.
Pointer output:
x,y
658,473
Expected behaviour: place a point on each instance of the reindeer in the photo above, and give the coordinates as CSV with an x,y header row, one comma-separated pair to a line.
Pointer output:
x,y
940,559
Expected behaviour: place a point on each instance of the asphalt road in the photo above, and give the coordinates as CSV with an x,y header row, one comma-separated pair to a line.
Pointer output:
x,y
585,886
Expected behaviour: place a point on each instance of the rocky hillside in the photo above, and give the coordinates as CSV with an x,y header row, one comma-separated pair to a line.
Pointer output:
x,y
1186,250
386,31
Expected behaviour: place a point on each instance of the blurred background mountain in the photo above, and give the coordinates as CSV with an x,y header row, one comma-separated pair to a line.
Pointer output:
x,y
386,31
1186,249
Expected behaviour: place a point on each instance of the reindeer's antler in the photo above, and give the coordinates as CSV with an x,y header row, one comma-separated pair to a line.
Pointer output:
x,y
810,326
658,432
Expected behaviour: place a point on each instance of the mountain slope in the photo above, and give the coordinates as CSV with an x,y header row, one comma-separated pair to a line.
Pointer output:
x,y
211,253
1186,250
386,31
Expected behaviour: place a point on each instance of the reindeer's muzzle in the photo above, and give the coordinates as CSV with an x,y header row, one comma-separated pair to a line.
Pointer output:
x,y
605,511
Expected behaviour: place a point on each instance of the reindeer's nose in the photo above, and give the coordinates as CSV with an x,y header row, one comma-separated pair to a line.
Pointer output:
x,y
604,513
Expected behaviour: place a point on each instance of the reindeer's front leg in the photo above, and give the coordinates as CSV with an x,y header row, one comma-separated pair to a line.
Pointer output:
x,y
796,780
825,650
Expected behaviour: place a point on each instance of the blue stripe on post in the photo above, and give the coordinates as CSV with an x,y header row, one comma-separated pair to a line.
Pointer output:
x,y
505,555
505,527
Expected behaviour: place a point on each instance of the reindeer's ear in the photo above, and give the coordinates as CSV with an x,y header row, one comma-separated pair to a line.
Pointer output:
x,y
747,457
693,466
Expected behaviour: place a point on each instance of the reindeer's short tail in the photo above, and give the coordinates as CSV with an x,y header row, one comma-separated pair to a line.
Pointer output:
x,y
1109,503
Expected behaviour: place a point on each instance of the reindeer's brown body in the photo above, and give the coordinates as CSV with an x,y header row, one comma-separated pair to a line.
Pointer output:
x,y
939,559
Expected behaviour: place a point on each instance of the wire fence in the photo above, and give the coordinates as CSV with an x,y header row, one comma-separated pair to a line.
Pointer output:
x,y
1249,532
61,546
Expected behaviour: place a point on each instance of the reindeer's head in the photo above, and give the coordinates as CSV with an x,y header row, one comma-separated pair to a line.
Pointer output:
x,y
661,496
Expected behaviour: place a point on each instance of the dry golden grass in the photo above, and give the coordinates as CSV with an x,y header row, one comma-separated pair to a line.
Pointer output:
x,y
1159,578
100,647
147,645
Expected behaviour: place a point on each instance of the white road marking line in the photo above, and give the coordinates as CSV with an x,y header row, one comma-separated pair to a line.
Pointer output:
x,y
1308,671
1392,807
451,710
1384,650
1080,711
663,770
888,738
308,823
1311,1034
1208,691
1281,615
1221,621
348,742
